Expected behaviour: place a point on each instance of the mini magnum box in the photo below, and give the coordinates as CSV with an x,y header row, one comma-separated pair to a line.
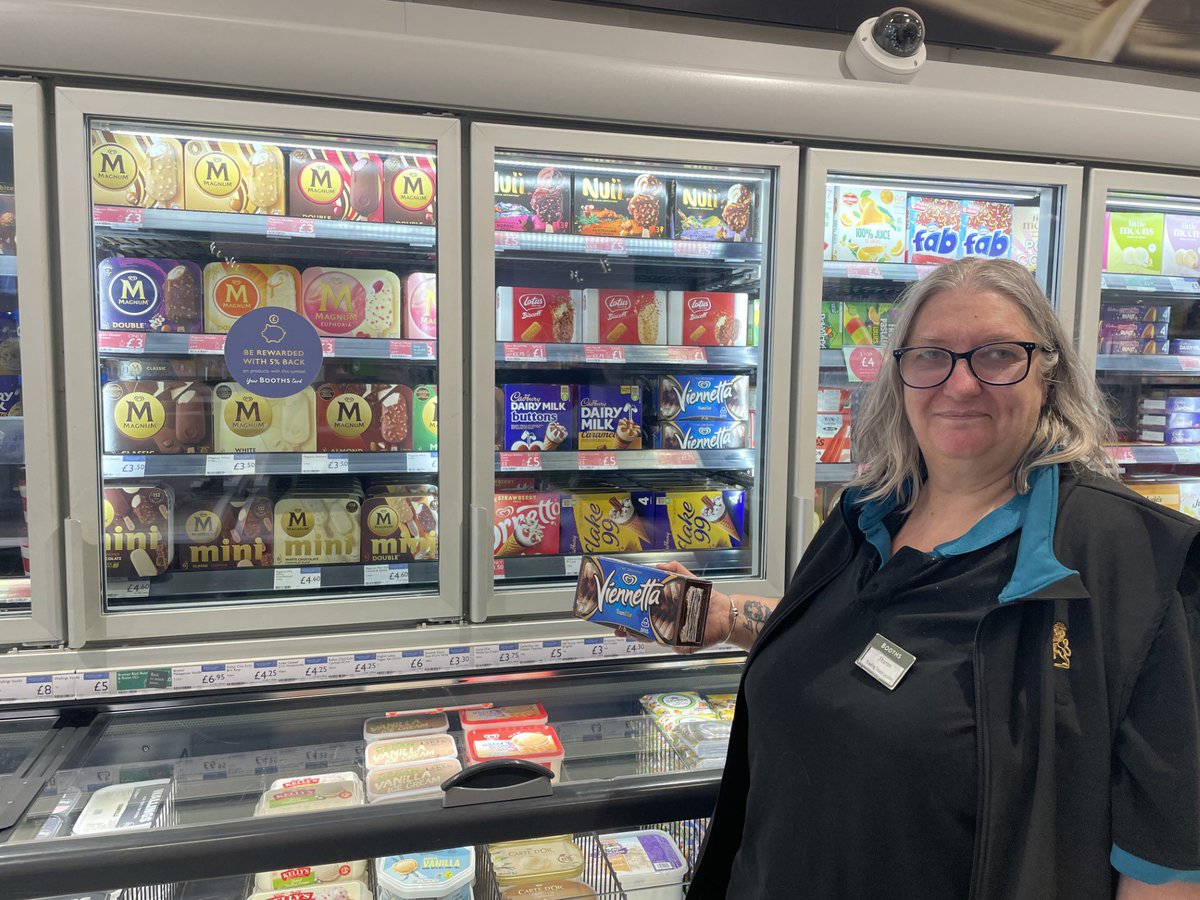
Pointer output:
x,y
669,608
223,532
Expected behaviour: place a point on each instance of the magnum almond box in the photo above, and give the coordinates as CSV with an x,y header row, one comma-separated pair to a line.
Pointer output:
x,y
400,528
233,289
352,302
157,417
335,184
138,530
151,295
671,609
143,170
224,532
232,176
620,204
364,417
409,189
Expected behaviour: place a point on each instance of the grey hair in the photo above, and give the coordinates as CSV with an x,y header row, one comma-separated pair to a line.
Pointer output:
x,y
1074,424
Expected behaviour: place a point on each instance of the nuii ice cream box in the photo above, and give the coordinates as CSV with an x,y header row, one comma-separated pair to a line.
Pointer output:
x,y
335,184
645,600
609,522
705,519
151,295
233,289
707,319
232,176
539,315
531,198
1135,243
700,434
987,229
934,229
1181,245
709,397
352,302
143,170
526,524
869,224
609,417
420,306
620,204
712,210
625,317
1026,228
538,417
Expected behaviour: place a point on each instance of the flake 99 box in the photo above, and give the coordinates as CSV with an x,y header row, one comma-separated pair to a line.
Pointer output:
x,y
645,600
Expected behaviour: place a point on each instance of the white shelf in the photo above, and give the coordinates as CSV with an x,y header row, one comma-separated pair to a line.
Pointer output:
x,y
835,473
1148,365
124,344
624,460
586,245
632,354
561,567
1154,284
136,466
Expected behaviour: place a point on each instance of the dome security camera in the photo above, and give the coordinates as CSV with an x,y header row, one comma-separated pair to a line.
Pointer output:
x,y
889,48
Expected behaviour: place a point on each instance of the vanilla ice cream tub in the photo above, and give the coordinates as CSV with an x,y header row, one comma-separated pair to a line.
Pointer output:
x,y
503,716
410,782
648,862
404,725
432,875
535,743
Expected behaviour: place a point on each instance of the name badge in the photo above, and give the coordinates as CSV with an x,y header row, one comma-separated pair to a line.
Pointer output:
x,y
885,662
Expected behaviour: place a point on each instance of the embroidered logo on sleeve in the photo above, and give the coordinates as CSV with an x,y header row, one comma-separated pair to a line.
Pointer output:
x,y
1061,647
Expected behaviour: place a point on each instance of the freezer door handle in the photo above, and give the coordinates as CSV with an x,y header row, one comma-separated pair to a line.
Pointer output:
x,y
480,584
495,781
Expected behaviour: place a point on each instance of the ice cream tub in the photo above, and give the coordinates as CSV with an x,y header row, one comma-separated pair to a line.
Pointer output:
x,y
151,295
1135,243
1170,421
1116,312
710,519
539,315
233,289
233,177
309,798
609,417
410,782
708,319
344,185
144,170
700,738
987,229
705,209
1181,246
1170,403
425,418
364,417
317,530
525,863
935,230
648,862
404,725
248,423
676,703
146,417
538,417
625,317
303,876
138,530
700,434
400,528
503,716
620,204
298,781
408,751
420,306
709,397
526,524
223,531
409,189
352,302
136,806
535,743
342,890
553,889
531,198
432,875
870,224
645,600
1165,493
609,522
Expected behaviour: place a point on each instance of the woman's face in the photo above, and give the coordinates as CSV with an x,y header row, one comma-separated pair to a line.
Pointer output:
x,y
964,420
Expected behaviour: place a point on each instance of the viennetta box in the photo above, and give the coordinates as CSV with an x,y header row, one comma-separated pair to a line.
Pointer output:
x,y
664,606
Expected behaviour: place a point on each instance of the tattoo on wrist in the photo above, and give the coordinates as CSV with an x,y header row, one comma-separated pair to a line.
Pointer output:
x,y
754,615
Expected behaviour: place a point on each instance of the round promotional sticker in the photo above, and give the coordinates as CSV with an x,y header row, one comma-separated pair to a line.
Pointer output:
x,y
273,352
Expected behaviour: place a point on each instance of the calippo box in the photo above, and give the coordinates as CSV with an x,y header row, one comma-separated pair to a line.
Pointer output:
x,y
934,230
609,417
538,315
620,204
335,184
321,528
138,535
538,417
233,289
503,716
833,437
609,522
231,176
625,317
364,417
669,608
536,743
526,524
869,224
1181,245
420,306
712,210
1115,312
1026,228
157,417
409,189
1135,243
400,529
224,532
425,418
987,229
700,434
151,295
831,325
711,397
709,519
247,423
136,170
706,319
532,199
352,302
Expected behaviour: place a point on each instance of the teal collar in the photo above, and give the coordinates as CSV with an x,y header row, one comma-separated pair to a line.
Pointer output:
x,y
1034,513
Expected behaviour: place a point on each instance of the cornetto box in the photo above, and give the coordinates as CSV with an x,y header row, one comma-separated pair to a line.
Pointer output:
x,y
151,295
157,417
532,199
364,417
620,204
400,528
713,210
223,532
230,176
669,608
409,189
335,184
136,170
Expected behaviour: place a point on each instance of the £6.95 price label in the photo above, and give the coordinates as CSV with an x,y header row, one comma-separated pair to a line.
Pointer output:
x,y
199,678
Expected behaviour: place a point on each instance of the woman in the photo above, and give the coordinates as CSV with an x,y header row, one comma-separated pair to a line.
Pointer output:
x,y
983,679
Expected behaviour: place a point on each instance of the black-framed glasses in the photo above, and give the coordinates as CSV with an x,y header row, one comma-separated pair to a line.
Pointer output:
x,y
999,363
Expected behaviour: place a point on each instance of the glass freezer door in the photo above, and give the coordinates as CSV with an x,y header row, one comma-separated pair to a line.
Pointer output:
x,y
883,223
265,341
630,388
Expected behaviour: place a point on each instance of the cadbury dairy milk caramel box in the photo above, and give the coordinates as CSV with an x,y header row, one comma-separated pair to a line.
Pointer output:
x,y
645,600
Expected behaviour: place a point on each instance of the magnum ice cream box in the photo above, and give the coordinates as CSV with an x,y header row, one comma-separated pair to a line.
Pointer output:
x,y
409,189
335,184
157,417
352,302
221,531
233,177
151,295
138,533
364,417
232,289
143,170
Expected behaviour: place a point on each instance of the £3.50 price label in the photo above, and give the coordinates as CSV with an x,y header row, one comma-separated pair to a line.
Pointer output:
x,y
324,463
230,464
124,467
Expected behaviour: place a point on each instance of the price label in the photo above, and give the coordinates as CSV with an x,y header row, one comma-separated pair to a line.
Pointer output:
x,y
613,246
597,459
124,467
363,665
23,688
619,646
385,574
862,363
580,649
305,579
601,353
424,350
520,462
448,659
1189,363
129,590
571,565
206,343
340,666
119,216
322,463
524,352
95,683
422,462
313,667
490,656
1185,285
134,681
678,459
498,568
540,653
328,347
688,355
863,270
290,226
507,240
1122,455
400,349
199,678
122,341
701,249
412,661
230,464
266,672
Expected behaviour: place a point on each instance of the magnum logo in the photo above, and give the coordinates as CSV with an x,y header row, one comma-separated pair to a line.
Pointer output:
x,y
217,174
113,166
140,415
339,296
248,415
133,293
321,182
